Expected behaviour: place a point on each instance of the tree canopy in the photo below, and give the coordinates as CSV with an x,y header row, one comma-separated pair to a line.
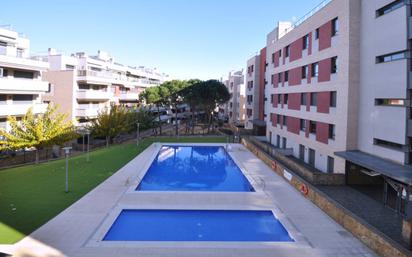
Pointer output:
x,y
38,131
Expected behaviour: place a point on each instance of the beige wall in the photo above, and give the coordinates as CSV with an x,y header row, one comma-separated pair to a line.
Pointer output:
x,y
62,91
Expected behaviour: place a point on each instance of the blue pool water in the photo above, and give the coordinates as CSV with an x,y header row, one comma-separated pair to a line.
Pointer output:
x,y
194,168
197,225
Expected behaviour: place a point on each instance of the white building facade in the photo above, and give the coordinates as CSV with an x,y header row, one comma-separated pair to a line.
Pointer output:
x,y
21,84
84,85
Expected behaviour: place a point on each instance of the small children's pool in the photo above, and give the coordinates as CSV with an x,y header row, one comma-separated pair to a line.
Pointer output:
x,y
194,168
197,225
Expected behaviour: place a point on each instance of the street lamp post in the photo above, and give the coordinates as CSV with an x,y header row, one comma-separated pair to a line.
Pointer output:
x,y
137,133
83,142
88,146
67,153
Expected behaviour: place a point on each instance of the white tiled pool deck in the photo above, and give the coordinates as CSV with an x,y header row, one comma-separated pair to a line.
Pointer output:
x,y
78,231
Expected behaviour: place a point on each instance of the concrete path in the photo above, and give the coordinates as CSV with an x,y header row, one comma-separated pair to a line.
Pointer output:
x,y
78,231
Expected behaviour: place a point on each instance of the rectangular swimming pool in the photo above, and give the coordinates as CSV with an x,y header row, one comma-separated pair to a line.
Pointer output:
x,y
194,168
197,225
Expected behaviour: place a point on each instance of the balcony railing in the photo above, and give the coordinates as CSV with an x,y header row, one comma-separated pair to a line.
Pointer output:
x,y
16,84
93,94
21,107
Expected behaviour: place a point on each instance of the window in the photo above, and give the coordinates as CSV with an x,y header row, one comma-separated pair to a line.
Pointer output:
x,y
303,99
315,69
20,52
330,164
287,51
302,152
49,88
277,118
311,157
313,99
333,99
284,142
390,102
278,141
306,42
279,98
331,131
70,67
302,125
273,58
285,99
390,7
271,98
334,65
387,144
312,127
286,76
3,99
391,57
317,33
22,98
23,74
280,53
280,78
285,121
335,27
305,71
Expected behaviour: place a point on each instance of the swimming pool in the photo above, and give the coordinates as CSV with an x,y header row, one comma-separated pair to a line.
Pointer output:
x,y
197,225
194,168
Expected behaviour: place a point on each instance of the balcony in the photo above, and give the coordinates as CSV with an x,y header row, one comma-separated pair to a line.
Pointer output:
x,y
19,109
87,112
129,97
96,77
93,95
29,86
15,60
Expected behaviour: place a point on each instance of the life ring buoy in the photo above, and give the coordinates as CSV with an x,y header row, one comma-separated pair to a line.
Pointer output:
x,y
304,189
273,165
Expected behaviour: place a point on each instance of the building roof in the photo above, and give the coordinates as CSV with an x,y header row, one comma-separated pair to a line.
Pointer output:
x,y
399,172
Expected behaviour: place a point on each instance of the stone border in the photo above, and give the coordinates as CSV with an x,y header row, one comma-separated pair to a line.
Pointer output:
x,y
370,236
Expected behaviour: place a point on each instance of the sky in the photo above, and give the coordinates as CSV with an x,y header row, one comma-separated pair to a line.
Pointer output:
x,y
202,39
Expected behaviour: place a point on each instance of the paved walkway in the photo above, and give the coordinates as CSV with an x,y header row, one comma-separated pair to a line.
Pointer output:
x,y
78,231
373,212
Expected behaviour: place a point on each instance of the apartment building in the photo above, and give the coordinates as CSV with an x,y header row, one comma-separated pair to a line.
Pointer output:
x,y
309,68
21,84
338,92
236,105
253,92
82,85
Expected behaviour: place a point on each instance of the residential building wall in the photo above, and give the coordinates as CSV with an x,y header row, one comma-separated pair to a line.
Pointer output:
x,y
387,81
253,92
289,93
236,104
86,85
21,85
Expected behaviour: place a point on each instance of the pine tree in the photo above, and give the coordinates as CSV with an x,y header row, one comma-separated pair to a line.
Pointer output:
x,y
37,131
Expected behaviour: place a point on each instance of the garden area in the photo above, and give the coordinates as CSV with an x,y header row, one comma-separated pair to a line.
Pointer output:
x,y
32,195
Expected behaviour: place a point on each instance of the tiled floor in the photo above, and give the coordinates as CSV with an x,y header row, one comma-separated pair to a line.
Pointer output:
x,y
78,230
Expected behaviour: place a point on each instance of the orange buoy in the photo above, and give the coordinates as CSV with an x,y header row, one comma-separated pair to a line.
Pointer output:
x,y
273,165
304,189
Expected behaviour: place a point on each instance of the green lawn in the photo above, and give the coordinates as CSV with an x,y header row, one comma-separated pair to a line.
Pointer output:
x,y
32,195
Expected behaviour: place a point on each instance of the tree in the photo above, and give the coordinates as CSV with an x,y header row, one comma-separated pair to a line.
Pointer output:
x,y
110,123
154,96
192,97
174,96
143,116
38,131
213,93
